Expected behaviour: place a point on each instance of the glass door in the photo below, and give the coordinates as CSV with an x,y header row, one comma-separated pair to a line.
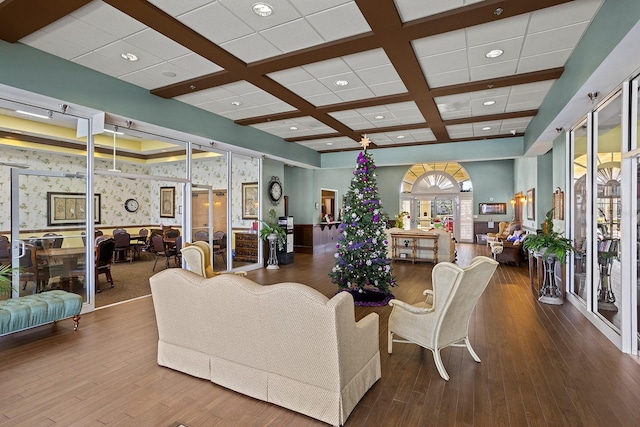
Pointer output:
x,y
48,232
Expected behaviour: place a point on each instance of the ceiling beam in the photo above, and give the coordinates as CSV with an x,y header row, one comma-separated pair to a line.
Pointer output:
x,y
20,18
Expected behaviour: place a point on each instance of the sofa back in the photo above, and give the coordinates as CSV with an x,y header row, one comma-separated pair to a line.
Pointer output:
x,y
287,328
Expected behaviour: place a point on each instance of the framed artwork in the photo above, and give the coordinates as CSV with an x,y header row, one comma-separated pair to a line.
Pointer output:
x,y
69,208
492,209
167,202
249,200
558,204
531,204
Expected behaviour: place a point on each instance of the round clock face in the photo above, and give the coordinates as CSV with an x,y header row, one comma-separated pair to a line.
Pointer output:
x,y
275,191
131,205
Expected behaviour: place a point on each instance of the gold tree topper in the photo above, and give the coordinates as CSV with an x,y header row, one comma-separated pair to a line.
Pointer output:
x,y
365,142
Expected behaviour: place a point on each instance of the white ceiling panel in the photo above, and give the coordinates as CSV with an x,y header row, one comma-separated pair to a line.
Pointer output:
x,y
402,137
558,39
339,143
563,14
449,79
414,9
176,8
216,23
445,62
498,31
54,45
100,15
545,61
339,22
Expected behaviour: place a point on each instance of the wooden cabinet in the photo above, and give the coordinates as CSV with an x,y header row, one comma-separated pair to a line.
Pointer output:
x,y
247,247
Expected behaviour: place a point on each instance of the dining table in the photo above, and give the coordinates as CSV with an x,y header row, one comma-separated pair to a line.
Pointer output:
x,y
61,261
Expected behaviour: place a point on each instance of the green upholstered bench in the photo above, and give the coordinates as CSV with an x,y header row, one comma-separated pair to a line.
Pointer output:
x,y
28,311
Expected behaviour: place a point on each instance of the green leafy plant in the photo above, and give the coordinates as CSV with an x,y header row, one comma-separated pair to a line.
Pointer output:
x,y
549,243
6,271
271,227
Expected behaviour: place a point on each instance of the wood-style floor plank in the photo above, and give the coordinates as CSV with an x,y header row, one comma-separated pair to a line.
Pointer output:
x,y
542,365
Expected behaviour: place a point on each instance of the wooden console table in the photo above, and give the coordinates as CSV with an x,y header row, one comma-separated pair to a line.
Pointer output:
x,y
397,243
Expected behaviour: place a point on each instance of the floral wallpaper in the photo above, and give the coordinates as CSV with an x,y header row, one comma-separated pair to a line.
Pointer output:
x,y
113,190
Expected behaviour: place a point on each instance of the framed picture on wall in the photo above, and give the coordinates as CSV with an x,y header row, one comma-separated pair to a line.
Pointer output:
x,y
492,209
249,200
531,204
167,202
69,208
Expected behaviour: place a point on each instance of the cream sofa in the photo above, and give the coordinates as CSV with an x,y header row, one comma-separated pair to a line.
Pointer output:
x,y
285,343
446,245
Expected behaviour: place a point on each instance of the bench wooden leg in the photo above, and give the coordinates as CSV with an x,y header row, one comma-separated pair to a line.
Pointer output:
x,y
76,320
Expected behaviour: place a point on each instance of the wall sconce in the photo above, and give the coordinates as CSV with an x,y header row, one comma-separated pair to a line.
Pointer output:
x,y
593,96
512,201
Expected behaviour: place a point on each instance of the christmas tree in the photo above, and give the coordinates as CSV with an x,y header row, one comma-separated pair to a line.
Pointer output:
x,y
361,263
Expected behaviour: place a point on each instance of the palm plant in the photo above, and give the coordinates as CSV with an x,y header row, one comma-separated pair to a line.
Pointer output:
x,y
6,271
549,243
271,227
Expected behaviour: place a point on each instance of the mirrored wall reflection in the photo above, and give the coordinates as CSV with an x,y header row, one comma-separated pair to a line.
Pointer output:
x,y
245,211
580,241
607,212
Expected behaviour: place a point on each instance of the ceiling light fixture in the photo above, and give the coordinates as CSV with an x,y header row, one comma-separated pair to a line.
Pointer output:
x,y
329,143
498,11
27,113
400,137
262,9
488,103
129,56
236,103
168,74
378,117
486,128
293,128
494,53
341,83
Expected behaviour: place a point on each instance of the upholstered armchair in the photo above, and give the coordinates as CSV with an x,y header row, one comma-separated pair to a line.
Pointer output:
x,y
502,227
443,319
198,258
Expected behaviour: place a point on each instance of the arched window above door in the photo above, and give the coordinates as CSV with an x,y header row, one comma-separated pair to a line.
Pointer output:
x,y
441,177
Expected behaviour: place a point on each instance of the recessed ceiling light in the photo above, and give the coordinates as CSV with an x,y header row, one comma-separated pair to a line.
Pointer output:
x,y
378,117
129,56
262,9
487,103
400,137
341,83
168,74
293,128
236,103
494,53
486,128
329,143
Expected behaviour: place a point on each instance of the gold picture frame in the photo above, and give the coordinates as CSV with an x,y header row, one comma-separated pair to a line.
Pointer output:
x,y
167,202
69,208
249,200
531,204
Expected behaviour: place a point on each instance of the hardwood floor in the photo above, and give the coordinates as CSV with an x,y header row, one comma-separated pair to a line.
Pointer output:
x,y
541,365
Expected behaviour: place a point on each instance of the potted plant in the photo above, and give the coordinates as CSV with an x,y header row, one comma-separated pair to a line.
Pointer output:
x,y
553,247
549,243
272,231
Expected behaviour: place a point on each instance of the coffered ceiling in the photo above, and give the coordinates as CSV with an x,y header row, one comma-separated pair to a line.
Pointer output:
x,y
322,73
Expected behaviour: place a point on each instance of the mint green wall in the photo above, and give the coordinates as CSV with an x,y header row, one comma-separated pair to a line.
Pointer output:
x,y
559,170
544,188
492,182
525,178
271,168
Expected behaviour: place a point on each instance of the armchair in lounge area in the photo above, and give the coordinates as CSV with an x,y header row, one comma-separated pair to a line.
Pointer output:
x,y
443,319
198,258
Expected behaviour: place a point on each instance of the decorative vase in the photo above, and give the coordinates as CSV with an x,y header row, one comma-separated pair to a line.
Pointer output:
x,y
272,262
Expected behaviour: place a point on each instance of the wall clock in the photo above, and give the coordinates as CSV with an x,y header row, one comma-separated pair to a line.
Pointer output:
x,y
131,205
275,189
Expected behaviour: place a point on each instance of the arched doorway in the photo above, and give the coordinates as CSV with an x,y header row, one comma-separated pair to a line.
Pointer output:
x,y
439,195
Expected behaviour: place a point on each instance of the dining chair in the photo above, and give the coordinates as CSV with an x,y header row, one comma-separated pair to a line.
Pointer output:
x,y
119,231
143,235
159,249
33,271
202,236
52,240
122,246
5,251
104,258
220,246
442,320
172,233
